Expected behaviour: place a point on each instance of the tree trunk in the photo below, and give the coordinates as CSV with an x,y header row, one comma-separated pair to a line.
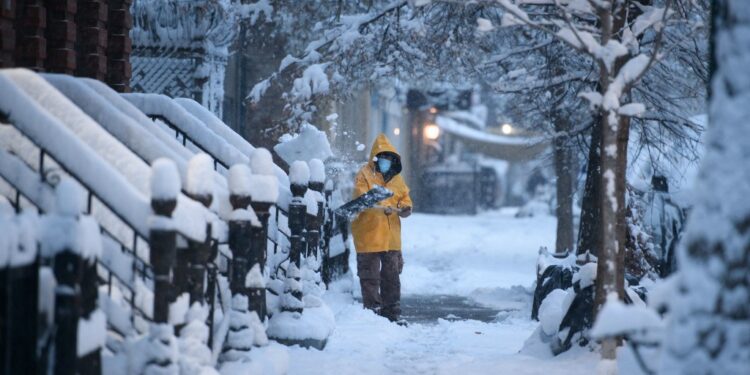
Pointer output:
x,y
588,229
613,154
565,169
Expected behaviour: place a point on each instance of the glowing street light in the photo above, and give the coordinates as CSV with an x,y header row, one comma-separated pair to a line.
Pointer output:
x,y
433,110
396,131
506,129
431,132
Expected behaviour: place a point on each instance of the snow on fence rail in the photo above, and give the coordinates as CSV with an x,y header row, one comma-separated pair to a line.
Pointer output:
x,y
200,260
161,107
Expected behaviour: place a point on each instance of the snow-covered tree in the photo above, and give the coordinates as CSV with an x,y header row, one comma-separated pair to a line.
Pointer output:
x,y
709,327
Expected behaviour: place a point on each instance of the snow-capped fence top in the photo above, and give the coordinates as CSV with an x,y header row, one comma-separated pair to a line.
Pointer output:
x,y
317,171
299,173
165,181
240,177
199,176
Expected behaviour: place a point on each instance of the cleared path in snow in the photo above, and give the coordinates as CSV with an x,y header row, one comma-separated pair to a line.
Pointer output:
x,y
452,264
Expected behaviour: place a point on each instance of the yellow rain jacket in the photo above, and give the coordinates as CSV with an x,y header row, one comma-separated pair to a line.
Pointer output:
x,y
373,230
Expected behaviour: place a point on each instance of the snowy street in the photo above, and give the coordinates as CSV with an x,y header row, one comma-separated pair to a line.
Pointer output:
x,y
489,259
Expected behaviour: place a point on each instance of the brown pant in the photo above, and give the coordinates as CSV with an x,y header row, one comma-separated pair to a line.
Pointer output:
x,y
379,279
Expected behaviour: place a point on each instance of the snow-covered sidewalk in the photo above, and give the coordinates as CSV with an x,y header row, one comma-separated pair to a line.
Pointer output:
x,y
489,258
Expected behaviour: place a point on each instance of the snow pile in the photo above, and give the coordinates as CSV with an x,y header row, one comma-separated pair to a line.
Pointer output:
x,y
261,162
195,356
156,353
292,287
245,333
552,310
200,176
315,323
268,360
309,144
299,173
254,278
618,319
92,333
165,180
586,275
317,170
178,309
264,186
240,180
546,259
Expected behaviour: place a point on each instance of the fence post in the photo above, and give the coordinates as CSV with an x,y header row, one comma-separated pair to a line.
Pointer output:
x,y
257,256
198,255
162,235
240,227
19,287
292,299
90,363
68,268
165,187
190,269
314,224
265,193
327,272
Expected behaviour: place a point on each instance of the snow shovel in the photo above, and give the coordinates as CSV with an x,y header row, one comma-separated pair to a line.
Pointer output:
x,y
367,200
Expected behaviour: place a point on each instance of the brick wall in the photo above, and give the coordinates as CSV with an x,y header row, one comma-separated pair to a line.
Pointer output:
x,y
31,44
119,69
61,36
7,32
87,38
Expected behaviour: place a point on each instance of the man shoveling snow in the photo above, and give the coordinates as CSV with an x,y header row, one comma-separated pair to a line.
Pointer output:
x,y
377,231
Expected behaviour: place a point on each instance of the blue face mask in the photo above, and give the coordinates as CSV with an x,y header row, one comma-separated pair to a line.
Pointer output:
x,y
384,165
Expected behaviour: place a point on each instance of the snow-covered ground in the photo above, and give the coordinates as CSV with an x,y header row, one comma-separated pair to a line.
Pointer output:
x,y
480,257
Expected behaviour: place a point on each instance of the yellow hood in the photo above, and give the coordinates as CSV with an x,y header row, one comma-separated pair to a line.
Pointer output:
x,y
382,144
